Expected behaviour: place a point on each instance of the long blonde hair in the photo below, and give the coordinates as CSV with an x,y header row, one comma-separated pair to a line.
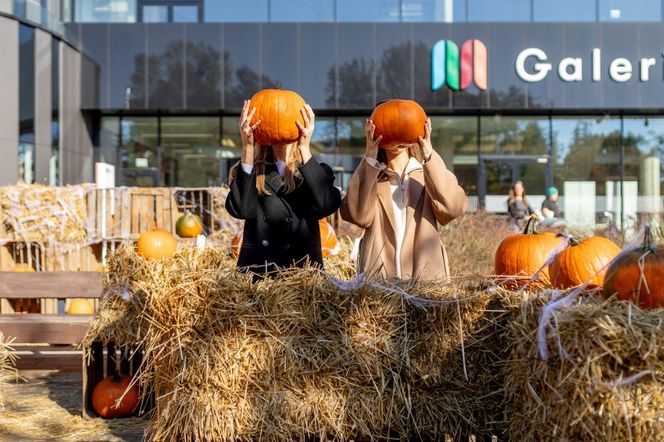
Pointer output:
x,y
264,155
512,194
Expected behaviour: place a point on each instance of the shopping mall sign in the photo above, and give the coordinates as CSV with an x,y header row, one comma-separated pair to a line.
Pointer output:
x,y
458,69
533,65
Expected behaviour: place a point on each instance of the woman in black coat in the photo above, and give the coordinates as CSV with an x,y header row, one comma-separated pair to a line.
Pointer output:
x,y
281,192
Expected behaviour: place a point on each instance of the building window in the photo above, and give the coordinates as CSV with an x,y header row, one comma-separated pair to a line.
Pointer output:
x,y
587,168
230,11
185,14
564,10
191,155
26,111
54,161
455,139
302,11
630,10
105,11
499,10
155,14
448,11
368,11
140,162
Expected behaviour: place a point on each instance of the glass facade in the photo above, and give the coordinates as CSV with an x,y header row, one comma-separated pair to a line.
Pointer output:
x,y
54,160
592,161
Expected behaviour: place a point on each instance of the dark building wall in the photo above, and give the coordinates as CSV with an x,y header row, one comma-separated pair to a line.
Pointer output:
x,y
9,100
351,66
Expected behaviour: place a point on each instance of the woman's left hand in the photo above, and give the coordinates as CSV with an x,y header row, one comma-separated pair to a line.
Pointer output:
x,y
306,131
425,143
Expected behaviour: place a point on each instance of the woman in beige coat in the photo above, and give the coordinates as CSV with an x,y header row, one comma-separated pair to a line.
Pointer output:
x,y
399,196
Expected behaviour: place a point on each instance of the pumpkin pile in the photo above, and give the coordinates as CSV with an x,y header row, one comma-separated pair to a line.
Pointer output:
x,y
549,260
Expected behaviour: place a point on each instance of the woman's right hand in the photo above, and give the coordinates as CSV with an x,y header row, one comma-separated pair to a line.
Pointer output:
x,y
247,132
372,145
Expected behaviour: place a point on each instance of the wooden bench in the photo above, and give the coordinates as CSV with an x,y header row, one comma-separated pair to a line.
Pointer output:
x,y
46,329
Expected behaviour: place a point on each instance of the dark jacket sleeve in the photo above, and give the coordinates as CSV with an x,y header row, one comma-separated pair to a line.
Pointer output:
x,y
242,200
319,179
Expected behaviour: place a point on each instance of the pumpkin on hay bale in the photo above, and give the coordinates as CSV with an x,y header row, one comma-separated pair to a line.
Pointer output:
x,y
521,255
582,262
302,354
602,378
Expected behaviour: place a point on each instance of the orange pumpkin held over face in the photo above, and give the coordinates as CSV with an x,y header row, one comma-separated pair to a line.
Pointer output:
x,y
400,122
277,111
583,262
108,391
328,239
522,254
156,244
638,274
189,225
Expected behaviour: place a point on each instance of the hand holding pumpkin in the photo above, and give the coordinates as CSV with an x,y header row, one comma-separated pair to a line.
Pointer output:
x,y
247,132
372,144
306,132
425,142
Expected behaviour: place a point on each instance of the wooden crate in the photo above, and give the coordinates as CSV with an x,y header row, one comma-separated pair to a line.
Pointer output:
x,y
124,213
104,362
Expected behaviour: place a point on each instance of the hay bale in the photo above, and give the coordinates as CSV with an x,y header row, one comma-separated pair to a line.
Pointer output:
x,y
603,377
53,215
304,354
7,365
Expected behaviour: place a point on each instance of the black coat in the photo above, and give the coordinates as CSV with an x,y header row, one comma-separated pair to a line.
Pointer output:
x,y
282,228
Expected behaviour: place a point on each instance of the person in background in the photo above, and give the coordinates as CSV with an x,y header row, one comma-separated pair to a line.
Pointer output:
x,y
551,209
518,206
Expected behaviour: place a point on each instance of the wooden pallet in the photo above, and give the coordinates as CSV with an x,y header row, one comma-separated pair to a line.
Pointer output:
x,y
105,361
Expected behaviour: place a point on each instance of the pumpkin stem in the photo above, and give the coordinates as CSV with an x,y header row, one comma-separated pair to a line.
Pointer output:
x,y
569,238
116,376
530,226
649,242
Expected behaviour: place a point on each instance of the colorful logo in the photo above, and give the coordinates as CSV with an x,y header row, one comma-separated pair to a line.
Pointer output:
x,y
458,70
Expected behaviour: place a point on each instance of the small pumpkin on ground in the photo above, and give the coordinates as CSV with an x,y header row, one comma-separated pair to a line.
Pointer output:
x,y
638,274
520,255
399,122
189,225
107,392
23,267
277,110
80,306
156,244
582,262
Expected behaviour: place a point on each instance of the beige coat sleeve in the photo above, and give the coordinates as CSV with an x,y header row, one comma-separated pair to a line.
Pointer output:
x,y
359,205
449,199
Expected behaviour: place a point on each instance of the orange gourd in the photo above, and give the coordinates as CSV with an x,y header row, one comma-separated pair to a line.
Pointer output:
x,y
189,225
328,239
583,262
400,122
156,244
236,244
108,391
522,254
277,111
23,267
638,274
80,306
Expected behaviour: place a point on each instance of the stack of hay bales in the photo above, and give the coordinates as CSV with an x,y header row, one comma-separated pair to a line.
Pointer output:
x,y
603,379
306,355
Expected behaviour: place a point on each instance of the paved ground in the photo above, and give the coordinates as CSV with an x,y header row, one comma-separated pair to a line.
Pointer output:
x,y
48,407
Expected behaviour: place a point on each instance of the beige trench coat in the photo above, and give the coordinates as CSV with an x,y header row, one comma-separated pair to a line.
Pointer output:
x,y
434,196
